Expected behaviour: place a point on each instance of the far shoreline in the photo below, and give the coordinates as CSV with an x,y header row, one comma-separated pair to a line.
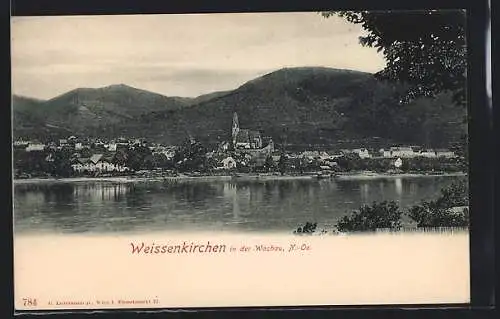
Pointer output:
x,y
239,177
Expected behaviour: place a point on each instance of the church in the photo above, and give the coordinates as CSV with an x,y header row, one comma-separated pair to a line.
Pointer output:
x,y
248,139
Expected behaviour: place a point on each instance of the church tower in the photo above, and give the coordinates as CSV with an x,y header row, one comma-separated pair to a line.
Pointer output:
x,y
236,127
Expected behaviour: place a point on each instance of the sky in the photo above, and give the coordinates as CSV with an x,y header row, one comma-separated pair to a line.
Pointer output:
x,y
176,55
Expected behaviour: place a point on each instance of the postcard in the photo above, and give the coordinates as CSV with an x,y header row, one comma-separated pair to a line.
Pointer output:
x,y
240,159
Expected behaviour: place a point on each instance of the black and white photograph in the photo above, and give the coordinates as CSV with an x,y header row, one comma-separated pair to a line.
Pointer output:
x,y
304,125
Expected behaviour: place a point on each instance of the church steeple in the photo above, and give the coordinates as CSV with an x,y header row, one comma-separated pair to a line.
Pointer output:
x,y
236,127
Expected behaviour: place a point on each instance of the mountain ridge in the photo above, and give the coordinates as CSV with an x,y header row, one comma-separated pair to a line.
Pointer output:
x,y
304,105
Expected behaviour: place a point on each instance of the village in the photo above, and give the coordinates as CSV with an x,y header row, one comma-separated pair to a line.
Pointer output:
x,y
247,152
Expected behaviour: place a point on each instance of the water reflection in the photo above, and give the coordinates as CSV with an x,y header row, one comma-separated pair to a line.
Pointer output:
x,y
364,191
398,183
278,205
96,192
230,192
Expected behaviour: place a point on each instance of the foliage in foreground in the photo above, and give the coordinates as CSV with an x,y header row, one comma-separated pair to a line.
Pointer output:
x,y
308,228
426,49
450,209
370,218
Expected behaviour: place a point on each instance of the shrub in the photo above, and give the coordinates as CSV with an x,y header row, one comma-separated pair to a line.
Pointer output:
x,y
457,194
308,228
448,210
431,215
370,218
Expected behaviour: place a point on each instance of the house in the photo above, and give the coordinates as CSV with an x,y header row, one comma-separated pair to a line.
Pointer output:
x,y
228,162
429,153
111,147
81,164
85,164
97,163
458,209
384,153
104,164
169,154
35,147
95,158
325,157
330,164
362,152
445,153
398,162
310,155
403,152
21,143
224,146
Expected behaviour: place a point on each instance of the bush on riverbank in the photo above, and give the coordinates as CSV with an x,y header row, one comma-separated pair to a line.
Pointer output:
x,y
370,218
450,209
430,215
308,228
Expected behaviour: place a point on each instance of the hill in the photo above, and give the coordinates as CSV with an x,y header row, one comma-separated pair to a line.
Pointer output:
x,y
321,106
296,106
88,111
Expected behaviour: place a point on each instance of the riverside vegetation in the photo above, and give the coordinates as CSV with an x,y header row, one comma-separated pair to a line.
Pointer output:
x,y
450,209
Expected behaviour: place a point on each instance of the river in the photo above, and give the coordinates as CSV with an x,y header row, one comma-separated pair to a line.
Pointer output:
x,y
243,206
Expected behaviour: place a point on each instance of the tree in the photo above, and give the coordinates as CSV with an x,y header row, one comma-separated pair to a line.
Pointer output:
x,y
349,161
308,228
448,210
424,49
283,164
31,162
461,150
134,159
371,218
148,162
269,163
61,166
120,157
161,160
190,156
430,214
